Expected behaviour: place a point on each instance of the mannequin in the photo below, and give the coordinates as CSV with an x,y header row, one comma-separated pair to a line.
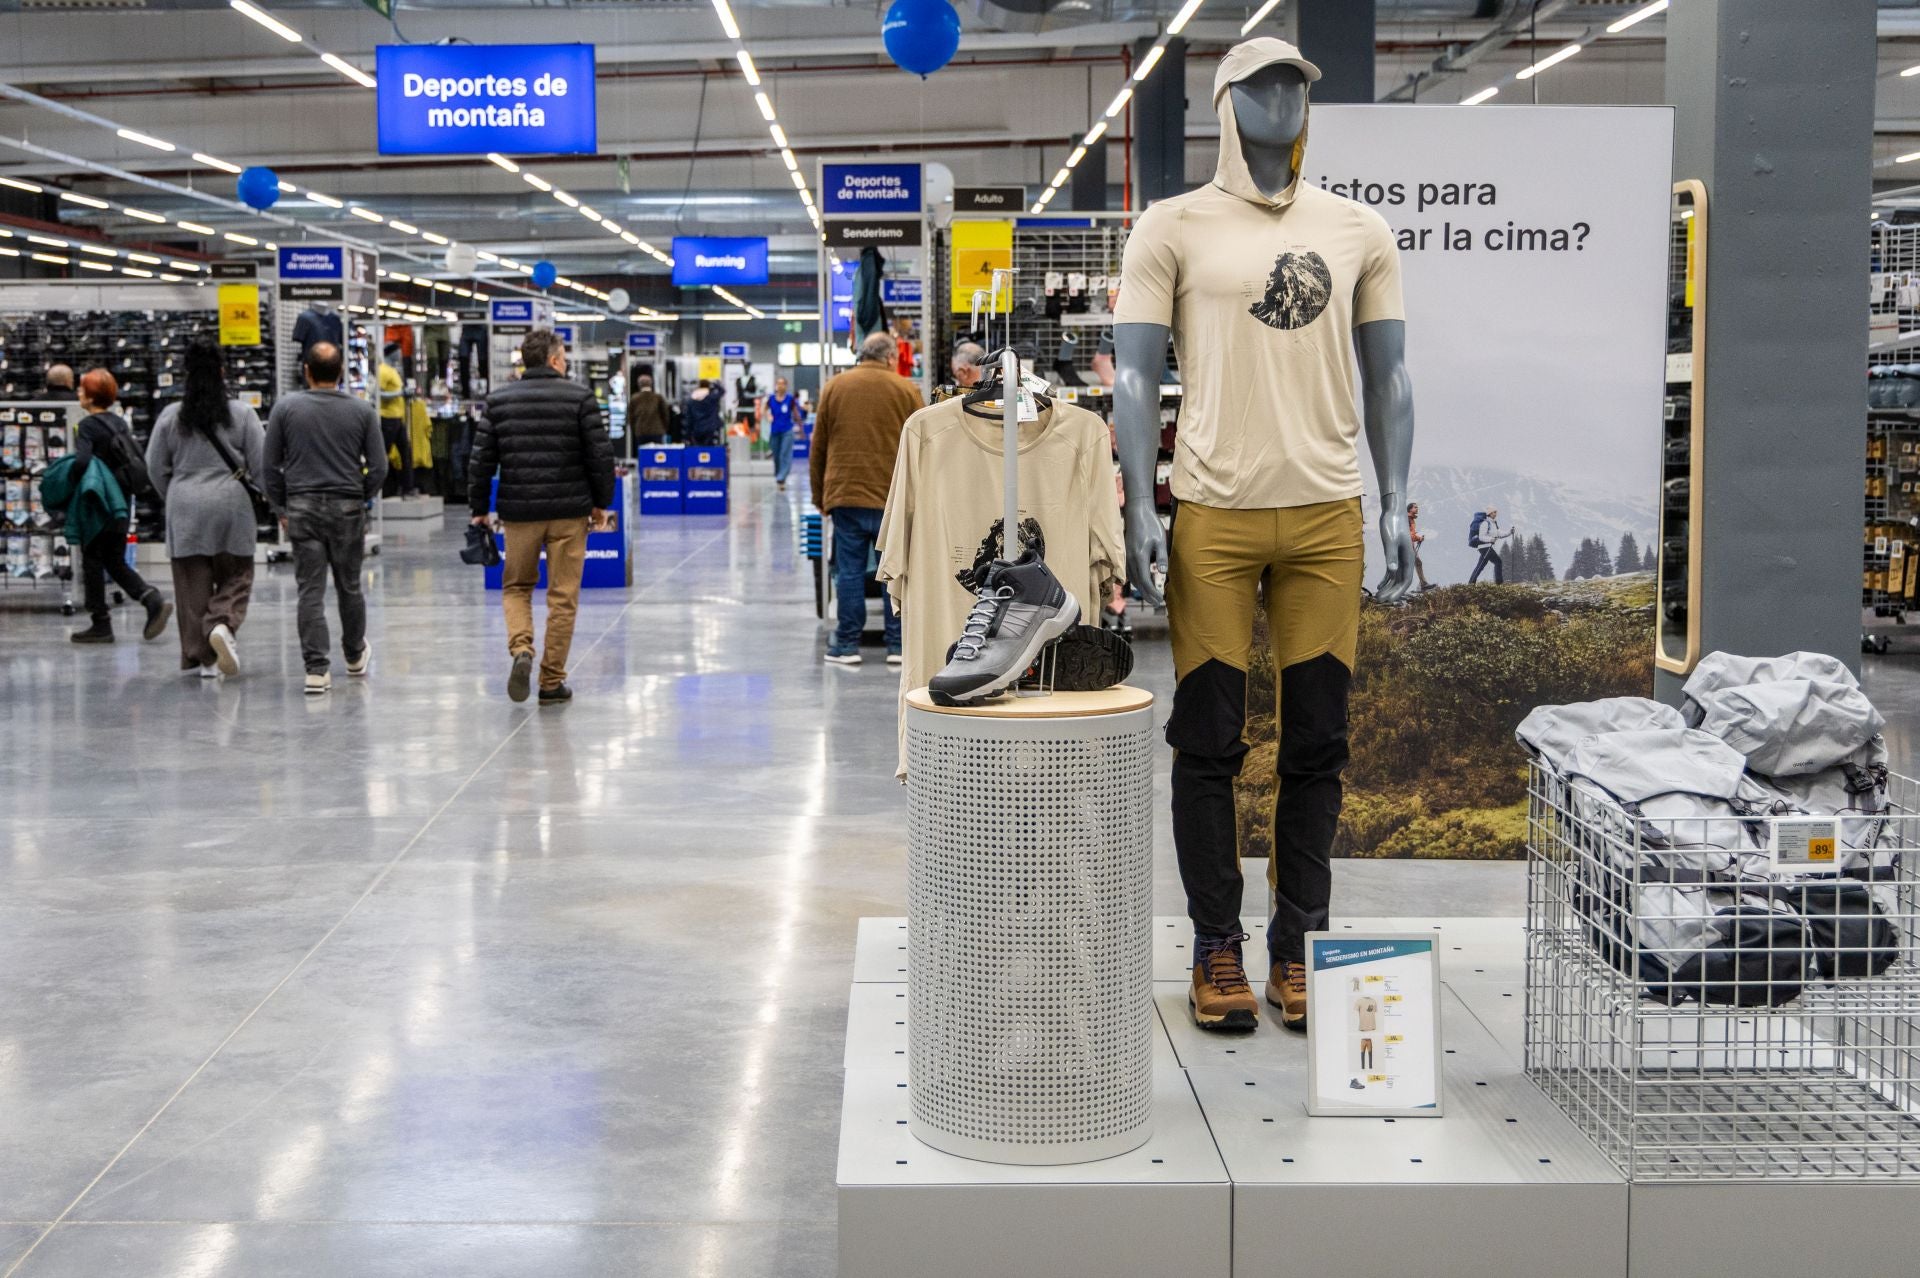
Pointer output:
x,y
318,323
1267,480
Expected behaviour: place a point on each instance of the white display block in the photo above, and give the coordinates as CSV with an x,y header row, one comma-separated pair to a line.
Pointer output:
x,y
421,507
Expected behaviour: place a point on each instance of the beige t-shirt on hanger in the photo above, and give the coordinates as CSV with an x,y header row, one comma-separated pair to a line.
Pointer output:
x,y
946,496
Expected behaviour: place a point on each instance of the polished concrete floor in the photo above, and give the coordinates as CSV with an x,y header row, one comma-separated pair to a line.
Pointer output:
x,y
411,980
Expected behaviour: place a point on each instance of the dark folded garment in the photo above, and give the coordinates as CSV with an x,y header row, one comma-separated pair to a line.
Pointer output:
x,y
480,548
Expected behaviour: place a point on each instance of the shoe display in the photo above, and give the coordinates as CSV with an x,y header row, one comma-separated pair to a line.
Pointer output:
x,y
358,666
1220,997
1357,1085
96,633
1287,990
1088,658
159,612
320,682
520,679
226,653
836,657
1021,609
556,696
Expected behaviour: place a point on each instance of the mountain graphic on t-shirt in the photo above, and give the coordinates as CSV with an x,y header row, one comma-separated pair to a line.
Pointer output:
x,y
1297,291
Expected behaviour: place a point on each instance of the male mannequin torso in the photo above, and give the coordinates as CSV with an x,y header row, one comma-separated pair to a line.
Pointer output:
x,y
1268,488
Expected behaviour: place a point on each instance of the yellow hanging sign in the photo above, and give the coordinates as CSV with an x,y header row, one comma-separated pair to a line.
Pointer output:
x,y
239,314
710,368
978,249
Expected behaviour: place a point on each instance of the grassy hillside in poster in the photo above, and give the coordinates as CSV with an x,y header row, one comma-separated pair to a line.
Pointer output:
x,y
1439,687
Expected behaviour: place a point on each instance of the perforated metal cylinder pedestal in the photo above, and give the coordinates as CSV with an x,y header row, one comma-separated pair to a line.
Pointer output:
x,y
1030,926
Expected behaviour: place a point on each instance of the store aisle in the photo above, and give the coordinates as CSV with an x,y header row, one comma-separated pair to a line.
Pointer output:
x,y
411,980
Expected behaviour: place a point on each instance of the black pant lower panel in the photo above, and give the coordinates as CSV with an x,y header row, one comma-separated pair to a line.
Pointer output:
x,y
1206,730
103,557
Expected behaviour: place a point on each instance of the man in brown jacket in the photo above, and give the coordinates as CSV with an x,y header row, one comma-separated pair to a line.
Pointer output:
x,y
856,435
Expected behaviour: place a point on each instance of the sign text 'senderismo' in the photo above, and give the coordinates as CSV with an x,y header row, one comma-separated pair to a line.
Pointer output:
x,y
517,99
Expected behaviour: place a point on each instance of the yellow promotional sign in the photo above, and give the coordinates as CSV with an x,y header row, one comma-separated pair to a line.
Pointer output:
x,y
978,249
239,314
709,368
1693,261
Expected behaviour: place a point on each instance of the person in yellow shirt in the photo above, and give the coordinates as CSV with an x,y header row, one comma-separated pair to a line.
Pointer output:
x,y
393,418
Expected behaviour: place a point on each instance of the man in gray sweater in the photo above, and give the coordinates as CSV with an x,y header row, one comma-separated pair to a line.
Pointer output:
x,y
324,462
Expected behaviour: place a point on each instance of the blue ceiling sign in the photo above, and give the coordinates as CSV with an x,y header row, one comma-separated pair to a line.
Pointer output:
x,y
517,99
870,188
724,260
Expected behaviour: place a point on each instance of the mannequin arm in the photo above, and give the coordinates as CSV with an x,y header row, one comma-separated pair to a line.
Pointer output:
x,y
1140,360
1387,409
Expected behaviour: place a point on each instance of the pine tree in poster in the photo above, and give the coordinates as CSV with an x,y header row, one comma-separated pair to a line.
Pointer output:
x,y
1647,562
1627,558
1537,555
1602,561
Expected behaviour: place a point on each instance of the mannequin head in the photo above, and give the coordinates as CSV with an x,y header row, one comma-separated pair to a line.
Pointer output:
x,y
1270,106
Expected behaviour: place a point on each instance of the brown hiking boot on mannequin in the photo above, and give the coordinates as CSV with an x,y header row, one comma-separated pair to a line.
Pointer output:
x,y
1287,990
1221,998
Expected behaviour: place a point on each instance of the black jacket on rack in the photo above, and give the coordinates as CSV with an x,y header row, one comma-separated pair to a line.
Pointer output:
x,y
544,436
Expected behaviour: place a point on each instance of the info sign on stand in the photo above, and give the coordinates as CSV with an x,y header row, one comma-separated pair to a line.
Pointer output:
x,y
1373,1028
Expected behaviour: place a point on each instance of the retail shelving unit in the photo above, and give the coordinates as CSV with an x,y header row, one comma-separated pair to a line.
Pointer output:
x,y
1889,540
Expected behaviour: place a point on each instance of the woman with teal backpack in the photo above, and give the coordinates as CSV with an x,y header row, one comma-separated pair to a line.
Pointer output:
x,y
95,500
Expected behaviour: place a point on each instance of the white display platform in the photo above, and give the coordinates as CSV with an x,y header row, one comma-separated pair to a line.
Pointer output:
x,y
1250,1186
422,507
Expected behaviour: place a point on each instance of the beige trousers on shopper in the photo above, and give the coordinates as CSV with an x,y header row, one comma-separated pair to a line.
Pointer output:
x,y
565,541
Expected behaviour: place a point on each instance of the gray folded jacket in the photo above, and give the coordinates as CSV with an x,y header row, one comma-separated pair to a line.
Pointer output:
x,y
1551,732
1636,766
1792,727
1719,670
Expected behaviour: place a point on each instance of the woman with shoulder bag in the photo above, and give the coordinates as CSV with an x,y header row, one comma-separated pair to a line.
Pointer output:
x,y
100,436
203,457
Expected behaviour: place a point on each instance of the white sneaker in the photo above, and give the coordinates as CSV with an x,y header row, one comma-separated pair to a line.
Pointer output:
x,y
894,659
225,654
318,684
358,669
209,672
843,658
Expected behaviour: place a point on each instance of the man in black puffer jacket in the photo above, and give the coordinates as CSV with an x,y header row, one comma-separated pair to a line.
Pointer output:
x,y
543,435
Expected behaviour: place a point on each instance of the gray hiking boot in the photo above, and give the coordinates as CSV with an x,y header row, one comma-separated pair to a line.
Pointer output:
x,y
1022,608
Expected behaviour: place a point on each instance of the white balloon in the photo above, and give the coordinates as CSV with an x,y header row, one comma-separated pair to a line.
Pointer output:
x,y
618,300
461,258
937,181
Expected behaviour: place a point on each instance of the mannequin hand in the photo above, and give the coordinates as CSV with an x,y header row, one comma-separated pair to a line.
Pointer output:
x,y
1397,584
1146,547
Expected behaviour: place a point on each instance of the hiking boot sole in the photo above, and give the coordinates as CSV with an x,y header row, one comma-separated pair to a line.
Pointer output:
x,y
1044,634
1287,1021
1239,1021
1087,659
520,681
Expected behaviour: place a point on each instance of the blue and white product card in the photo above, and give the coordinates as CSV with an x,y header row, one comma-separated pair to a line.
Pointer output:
x,y
469,99
1373,1029
511,310
736,351
648,342
901,291
724,260
870,188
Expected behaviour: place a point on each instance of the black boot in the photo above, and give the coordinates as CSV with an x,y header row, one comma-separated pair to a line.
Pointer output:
x,y
159,612
98,632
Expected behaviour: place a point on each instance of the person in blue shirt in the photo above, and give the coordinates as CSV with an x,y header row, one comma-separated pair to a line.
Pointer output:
x,y
780,412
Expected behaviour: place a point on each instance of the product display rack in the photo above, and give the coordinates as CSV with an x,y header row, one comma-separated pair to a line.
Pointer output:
x,y
144,349
32,547
1890,539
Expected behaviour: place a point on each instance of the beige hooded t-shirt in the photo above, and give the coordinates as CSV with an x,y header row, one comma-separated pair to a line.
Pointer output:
x,y
1262,294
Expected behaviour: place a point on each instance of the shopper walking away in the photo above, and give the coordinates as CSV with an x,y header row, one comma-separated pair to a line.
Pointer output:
x,y
1485,536
325,460
647,415
544,437
103,437
856,435
1413,530
59,381
393,418
201,446
968,364
701,414
780,412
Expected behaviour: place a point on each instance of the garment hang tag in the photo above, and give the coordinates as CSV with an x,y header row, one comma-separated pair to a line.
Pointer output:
x,y
1028,411
1802,843
1035,384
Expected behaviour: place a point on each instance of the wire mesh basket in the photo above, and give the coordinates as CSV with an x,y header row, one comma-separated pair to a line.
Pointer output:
x,y
1727,998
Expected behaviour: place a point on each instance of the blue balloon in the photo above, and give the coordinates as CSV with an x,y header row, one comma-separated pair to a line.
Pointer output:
x,y
259,188
544,274
921,35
